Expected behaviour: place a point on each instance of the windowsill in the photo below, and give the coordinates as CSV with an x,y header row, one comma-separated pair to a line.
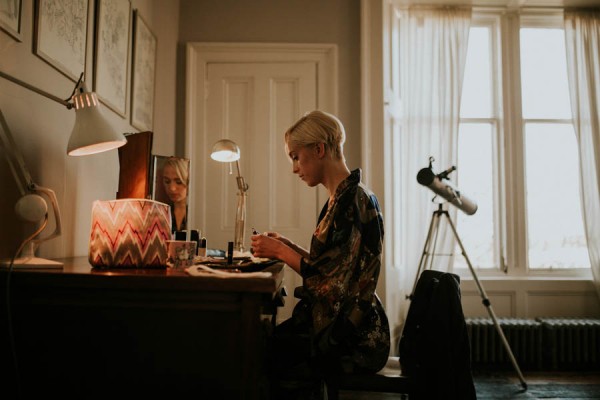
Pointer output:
x,y
535,276
506,278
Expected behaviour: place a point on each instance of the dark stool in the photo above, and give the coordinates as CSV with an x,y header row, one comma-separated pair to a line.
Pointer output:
x,y
388,380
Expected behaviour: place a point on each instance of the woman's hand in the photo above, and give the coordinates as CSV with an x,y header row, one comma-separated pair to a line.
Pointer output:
x,y
276,235
273,245
267,245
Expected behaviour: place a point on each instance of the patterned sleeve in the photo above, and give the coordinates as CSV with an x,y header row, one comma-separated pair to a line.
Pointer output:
x,y
342,273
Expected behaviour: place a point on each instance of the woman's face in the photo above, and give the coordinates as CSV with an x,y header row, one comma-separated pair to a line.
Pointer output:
x,y
175,187
305,163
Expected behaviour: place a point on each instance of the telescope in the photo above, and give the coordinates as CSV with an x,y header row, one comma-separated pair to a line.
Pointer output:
x,y
441,186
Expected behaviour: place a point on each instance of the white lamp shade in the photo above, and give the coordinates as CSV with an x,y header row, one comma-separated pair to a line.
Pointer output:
x,y
225,150
92,133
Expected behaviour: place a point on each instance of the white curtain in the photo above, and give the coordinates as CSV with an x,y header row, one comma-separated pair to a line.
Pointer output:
x,y
582,34
433,55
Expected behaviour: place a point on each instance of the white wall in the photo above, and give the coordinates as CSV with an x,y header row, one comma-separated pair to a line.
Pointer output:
x,y
289,21
41,128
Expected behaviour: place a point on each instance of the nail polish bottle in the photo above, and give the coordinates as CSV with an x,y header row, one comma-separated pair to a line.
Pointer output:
x,y
230,253
202,248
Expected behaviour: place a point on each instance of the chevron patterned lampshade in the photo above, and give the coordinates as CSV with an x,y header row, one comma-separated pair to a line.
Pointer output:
x,y
129,233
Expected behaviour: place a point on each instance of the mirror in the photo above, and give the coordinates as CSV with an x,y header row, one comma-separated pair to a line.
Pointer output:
x,y
171,178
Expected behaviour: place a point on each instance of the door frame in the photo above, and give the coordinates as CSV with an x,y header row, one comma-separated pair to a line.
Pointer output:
x,y
200,54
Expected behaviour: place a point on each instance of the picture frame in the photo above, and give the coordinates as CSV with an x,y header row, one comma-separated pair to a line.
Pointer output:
x,y
111,70
144,73
10,17
61,35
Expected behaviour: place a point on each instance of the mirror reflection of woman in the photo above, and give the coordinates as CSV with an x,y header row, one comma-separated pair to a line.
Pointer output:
x,y
175,181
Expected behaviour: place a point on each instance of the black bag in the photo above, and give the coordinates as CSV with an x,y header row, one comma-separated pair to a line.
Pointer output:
x,y
434,348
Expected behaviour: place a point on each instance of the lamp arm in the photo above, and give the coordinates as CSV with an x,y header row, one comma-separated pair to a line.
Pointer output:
x,y
240,217
242,185
15,159
39,91
58,221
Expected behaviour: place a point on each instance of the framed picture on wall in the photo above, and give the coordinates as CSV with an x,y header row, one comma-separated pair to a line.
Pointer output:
x,y
61,35
10,17
112,53
144,66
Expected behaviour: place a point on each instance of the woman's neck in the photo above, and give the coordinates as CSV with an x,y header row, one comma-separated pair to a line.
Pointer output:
x,y
337,172
181,204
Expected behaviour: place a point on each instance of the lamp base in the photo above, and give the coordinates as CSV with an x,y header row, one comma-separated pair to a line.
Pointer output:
x,y
32,263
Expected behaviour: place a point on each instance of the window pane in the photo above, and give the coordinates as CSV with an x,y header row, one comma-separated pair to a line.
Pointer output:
x,y
544,79
555,225
475,180
476,92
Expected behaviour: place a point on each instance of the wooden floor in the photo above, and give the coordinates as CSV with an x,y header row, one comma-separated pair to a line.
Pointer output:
x,y
506,385
533,378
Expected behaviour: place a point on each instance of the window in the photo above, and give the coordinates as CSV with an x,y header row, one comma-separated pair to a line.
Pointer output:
x,y
517,151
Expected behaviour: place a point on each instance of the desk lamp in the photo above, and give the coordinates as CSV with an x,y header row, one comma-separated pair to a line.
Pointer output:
x,y
226,150
91,134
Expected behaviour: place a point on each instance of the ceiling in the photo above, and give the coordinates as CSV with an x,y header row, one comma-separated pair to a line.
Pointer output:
x,y
510,3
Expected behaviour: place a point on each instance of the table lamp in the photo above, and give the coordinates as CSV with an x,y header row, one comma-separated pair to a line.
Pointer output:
x,y
91,134
226,150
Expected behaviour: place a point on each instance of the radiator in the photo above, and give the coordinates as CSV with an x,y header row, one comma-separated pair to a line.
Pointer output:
x,y
571,343
523,335
537,344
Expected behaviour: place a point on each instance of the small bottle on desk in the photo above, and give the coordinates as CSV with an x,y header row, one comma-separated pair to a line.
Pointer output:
x,y
202,248
230,253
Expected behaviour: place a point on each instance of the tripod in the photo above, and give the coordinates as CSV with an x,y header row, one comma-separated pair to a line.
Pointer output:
x,y
429,252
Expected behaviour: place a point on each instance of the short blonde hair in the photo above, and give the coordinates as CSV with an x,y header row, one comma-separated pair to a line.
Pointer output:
x,y
318,127
181,167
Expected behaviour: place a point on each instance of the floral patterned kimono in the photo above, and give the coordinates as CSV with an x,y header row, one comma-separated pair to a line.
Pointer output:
x,y
346,317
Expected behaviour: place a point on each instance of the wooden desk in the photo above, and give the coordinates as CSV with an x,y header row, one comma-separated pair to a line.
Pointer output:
x,y
86,333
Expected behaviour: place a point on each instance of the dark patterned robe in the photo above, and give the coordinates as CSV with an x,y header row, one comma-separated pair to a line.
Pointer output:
x,y
183,226
339,280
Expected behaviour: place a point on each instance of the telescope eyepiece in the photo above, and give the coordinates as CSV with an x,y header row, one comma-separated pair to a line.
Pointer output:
x,y
444,175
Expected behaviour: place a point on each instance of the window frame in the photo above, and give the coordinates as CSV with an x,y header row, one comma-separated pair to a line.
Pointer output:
x,y
508,126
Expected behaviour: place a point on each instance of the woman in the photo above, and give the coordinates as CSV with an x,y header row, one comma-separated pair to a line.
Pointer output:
x,y
340,312
175,179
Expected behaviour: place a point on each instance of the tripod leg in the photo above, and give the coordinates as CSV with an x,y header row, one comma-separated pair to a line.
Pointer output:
x,y
488,305
435,240
426,251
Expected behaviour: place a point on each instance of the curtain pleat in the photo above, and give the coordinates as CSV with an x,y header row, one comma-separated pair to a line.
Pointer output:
x,y
582,35
433,56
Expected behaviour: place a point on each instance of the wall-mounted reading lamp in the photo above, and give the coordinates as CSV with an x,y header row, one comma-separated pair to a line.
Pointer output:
x,y
91,134
226,150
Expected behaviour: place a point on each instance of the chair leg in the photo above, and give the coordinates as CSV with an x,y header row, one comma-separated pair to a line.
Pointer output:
x,y
332,389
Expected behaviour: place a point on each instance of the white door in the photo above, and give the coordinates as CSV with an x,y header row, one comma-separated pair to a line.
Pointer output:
x,y
251,93
253,104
